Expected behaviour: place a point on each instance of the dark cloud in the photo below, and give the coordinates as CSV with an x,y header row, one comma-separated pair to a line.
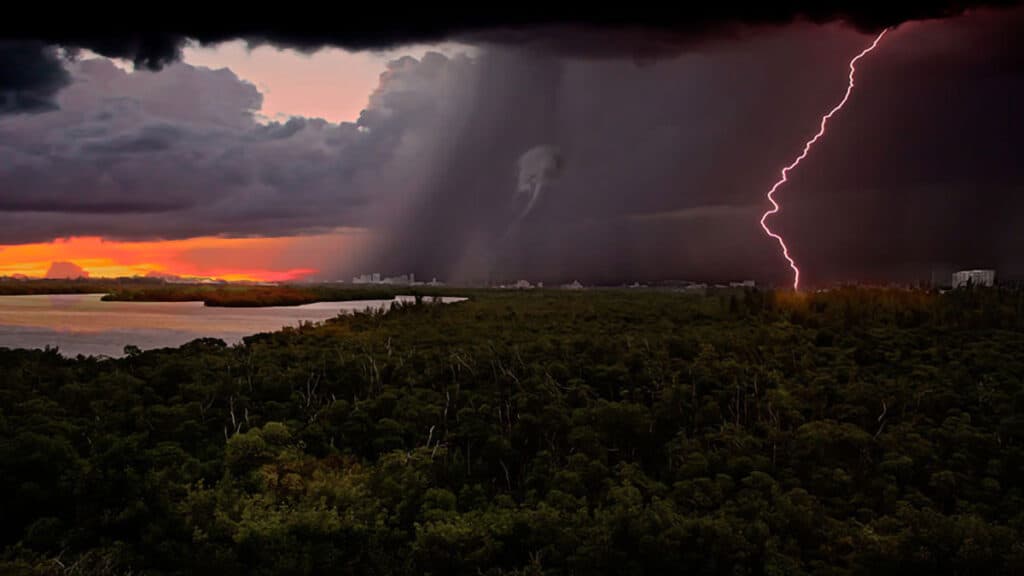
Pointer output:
x,y
31,74
678,136
645,31
155,42
662,167
665,165
179,153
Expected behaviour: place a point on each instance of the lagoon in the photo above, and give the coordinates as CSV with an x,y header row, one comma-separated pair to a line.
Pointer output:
x,y
83,324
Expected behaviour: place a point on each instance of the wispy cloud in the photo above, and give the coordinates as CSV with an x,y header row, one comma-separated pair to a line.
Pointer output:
x,y
707,212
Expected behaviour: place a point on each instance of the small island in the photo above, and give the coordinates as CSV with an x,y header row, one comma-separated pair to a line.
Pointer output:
x,y
237,295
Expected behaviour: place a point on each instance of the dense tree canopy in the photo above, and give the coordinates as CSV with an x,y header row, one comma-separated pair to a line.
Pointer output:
x,y
621,432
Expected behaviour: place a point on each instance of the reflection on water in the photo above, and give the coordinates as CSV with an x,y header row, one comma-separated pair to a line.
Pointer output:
x,y
83,324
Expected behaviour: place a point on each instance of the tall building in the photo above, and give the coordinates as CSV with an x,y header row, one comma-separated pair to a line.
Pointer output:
x,y
966,278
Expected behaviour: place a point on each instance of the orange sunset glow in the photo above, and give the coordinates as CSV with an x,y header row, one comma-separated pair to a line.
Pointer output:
x,y
277,259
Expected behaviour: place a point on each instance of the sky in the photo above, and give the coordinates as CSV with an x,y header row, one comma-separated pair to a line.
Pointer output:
x,y
331,83
274,259
599,151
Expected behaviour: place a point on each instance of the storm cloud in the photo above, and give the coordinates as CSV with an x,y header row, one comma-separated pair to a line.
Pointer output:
x,y
662,166
31,74
179,153
155,41
666,164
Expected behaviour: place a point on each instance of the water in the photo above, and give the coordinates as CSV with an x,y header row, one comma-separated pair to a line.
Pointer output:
x,y
83,324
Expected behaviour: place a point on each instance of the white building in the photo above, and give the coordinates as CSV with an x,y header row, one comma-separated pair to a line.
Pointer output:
x,y
367,278
402,280
966,278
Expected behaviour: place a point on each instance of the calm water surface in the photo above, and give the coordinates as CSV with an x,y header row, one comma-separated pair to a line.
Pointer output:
x,y
83,324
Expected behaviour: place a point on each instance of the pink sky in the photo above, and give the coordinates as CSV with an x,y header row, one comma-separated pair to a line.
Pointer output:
x,y
331,83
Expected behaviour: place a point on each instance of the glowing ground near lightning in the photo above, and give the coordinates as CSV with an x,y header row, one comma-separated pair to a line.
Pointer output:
x,y
807,148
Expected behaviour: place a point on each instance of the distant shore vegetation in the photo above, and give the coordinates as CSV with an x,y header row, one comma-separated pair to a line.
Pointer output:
x,y
225,294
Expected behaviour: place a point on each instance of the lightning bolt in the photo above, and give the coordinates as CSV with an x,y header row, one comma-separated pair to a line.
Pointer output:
x,y
807,148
